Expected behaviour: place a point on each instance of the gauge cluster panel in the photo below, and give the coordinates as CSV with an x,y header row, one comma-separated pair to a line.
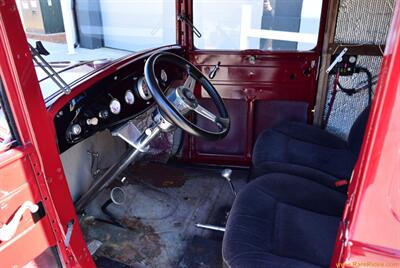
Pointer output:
x,y
108,104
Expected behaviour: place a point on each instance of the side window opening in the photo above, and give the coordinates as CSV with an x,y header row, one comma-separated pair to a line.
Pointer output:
x,y
272,25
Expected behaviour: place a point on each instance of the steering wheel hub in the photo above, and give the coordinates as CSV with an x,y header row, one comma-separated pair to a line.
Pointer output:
x,y
182,100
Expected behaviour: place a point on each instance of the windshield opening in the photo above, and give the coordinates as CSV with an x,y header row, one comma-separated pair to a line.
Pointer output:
x,y
82,36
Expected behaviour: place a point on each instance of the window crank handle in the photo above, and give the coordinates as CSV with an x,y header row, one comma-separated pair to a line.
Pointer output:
x,y
214,71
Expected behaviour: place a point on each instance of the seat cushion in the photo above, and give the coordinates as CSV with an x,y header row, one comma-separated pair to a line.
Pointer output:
x,y
293,146
281,220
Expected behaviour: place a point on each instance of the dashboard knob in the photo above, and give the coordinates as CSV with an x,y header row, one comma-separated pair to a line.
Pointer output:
x,y
76,129
103,114
92,121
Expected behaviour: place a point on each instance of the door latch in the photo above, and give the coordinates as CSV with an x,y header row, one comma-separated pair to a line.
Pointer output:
x,y
7,231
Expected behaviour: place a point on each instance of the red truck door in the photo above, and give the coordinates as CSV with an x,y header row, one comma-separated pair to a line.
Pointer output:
x,y
25,231
263,58
38,224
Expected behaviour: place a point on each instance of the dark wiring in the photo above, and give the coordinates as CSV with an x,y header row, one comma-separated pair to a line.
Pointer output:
x,y
351,91
331,100
348,91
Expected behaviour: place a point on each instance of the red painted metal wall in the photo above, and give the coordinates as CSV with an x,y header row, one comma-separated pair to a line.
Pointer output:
x,y
371,222
34,129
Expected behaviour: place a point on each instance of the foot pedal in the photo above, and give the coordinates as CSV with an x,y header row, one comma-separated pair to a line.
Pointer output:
x,y
93,246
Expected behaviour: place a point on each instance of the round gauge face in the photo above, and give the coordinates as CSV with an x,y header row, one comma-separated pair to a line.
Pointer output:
x,y
115,106
164,76
129,97
143,89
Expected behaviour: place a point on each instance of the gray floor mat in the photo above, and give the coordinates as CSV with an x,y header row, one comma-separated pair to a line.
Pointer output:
x,y
202,252
161,220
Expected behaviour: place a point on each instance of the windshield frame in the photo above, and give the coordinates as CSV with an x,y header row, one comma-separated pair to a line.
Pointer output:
x,y
94,76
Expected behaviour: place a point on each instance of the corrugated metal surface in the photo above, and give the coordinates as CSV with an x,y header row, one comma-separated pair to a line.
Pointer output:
x,y
346,108
363,21
359,22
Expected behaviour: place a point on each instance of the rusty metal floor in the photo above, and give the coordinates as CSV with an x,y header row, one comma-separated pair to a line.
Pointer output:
x,y
161,221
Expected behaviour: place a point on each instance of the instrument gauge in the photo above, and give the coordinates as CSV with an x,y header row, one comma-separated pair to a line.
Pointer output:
x,y
164,76
143,89
129,97
115,106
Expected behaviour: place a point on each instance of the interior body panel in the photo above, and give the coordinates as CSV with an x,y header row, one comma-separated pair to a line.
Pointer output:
x,y
139,152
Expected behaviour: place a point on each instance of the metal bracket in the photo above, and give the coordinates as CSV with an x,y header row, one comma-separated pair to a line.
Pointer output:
x,y
337,60
182,17
94,166
130,134
46,67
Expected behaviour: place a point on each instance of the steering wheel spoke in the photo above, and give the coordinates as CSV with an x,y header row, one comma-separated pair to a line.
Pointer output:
x,y
190,83
205,113
219,121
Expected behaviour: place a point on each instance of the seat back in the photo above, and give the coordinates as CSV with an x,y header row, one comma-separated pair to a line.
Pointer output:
x,y
356,134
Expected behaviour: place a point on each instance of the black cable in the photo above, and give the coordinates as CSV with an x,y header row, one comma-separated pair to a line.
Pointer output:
x,y
351,91
331,101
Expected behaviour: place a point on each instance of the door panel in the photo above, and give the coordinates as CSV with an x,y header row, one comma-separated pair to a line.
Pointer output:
x,y
236,145
18,185
261,87
260,93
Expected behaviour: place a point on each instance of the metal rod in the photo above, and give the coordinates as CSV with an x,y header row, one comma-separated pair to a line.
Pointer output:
x,y
115,170
52,74
210,227
233,190
104,208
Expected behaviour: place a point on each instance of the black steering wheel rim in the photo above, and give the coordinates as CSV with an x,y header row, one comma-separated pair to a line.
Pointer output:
x,y
170,111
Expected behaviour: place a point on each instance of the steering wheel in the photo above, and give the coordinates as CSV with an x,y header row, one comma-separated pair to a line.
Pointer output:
x,y
181,101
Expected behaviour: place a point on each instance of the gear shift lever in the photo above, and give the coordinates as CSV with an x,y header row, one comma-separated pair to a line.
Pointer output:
x,y
226,174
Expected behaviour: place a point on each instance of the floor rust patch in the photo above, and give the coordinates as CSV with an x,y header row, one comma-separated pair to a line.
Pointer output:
x,y
138,243
159,175
149,239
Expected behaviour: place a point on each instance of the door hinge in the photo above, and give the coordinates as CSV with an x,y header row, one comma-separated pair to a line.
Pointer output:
x,y
70,227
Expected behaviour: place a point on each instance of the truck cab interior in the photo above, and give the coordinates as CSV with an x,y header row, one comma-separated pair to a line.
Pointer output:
x,y
216,139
